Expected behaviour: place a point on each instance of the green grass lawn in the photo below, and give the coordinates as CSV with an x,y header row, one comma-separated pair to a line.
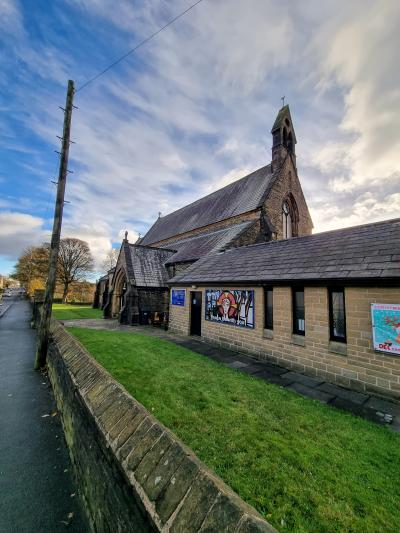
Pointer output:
x,y
70,312
303,465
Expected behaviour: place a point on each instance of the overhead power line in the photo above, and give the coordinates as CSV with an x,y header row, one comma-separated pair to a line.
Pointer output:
x,y
146,40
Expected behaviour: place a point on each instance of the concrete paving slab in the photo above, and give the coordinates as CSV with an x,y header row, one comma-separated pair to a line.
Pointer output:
x,y
346,394
361,410
313,393
253,368
273,378
304,380
236,364
384,406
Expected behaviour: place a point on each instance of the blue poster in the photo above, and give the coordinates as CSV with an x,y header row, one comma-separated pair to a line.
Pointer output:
x,y
386,327
178,297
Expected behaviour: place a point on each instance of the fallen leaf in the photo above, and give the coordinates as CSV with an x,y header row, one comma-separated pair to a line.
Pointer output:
x,y
54,414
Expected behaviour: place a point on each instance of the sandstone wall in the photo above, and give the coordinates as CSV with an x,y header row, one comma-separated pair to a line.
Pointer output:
x,y
354,364
134,475
288,183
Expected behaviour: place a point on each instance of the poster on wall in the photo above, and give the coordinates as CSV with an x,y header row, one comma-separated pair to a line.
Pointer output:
x,y
178,297
234,307
386,327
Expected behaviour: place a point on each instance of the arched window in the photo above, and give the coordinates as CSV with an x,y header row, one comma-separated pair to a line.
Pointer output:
x,y
287,221
290,142
284,137
290,217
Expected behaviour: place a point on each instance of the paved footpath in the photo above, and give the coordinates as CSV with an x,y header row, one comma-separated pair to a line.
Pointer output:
x,y
37,492
368,406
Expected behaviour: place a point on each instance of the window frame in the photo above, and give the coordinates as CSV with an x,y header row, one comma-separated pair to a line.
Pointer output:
x,y
268,288
287,220
332,335
295,329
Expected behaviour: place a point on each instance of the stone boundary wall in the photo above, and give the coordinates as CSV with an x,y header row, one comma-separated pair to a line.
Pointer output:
x,y
133,473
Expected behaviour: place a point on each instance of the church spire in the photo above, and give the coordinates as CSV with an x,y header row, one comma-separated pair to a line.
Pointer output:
x,y
283,136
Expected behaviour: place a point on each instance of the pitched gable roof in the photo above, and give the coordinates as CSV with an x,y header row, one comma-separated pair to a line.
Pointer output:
x,y
370,251
238,197
146,266
192,248
284,112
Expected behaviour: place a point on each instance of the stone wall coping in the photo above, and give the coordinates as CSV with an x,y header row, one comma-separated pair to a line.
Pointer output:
x,y
176,490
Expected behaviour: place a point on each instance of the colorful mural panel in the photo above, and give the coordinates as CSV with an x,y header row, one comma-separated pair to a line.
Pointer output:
x,y
386,327
234,307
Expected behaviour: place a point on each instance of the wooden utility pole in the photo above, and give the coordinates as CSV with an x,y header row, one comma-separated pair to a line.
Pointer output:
x,y
43,334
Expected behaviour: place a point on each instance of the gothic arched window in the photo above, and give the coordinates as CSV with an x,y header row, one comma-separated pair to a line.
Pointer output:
x,y
290,217
287,221
290,142
284,137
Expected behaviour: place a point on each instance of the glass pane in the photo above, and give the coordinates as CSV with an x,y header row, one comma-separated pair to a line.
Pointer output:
x,y
299,315
268,309
338,317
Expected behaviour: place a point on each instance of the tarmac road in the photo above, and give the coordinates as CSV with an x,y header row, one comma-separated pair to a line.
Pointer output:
x,y
37,490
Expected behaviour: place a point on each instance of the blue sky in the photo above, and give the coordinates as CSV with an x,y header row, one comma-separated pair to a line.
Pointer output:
x,y
192,110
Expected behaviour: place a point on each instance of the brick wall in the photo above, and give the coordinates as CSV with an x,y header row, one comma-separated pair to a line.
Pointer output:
x,y
179,316
355,364
133,474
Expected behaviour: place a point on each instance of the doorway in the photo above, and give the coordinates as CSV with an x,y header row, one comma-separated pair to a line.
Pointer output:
x,y
195,312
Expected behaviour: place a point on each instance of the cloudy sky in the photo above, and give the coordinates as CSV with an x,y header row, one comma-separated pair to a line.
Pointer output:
x,y
192,110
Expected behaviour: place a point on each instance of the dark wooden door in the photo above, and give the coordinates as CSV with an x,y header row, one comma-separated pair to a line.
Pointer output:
x,y
195,313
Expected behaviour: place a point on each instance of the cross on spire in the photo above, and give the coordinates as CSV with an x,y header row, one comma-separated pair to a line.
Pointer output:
x,y
283,101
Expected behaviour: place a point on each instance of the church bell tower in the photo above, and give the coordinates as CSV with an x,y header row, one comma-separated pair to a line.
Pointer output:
x,y
283,137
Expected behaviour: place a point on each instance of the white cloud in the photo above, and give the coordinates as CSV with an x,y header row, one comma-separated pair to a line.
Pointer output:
x,y
10,17
18,231
366,208
197,115
362,57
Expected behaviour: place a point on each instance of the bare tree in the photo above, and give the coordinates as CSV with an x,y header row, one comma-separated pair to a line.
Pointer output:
x,y
111,259
75,261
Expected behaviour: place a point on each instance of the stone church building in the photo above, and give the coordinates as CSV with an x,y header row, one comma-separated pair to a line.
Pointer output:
x,y
241,268
268,204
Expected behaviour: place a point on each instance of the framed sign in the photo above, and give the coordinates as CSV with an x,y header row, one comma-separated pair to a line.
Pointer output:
x,y
386,327
178,297
235,307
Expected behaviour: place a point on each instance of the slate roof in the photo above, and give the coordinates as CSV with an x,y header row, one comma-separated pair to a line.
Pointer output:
x,y
193,248
364,252
241,196
146,266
